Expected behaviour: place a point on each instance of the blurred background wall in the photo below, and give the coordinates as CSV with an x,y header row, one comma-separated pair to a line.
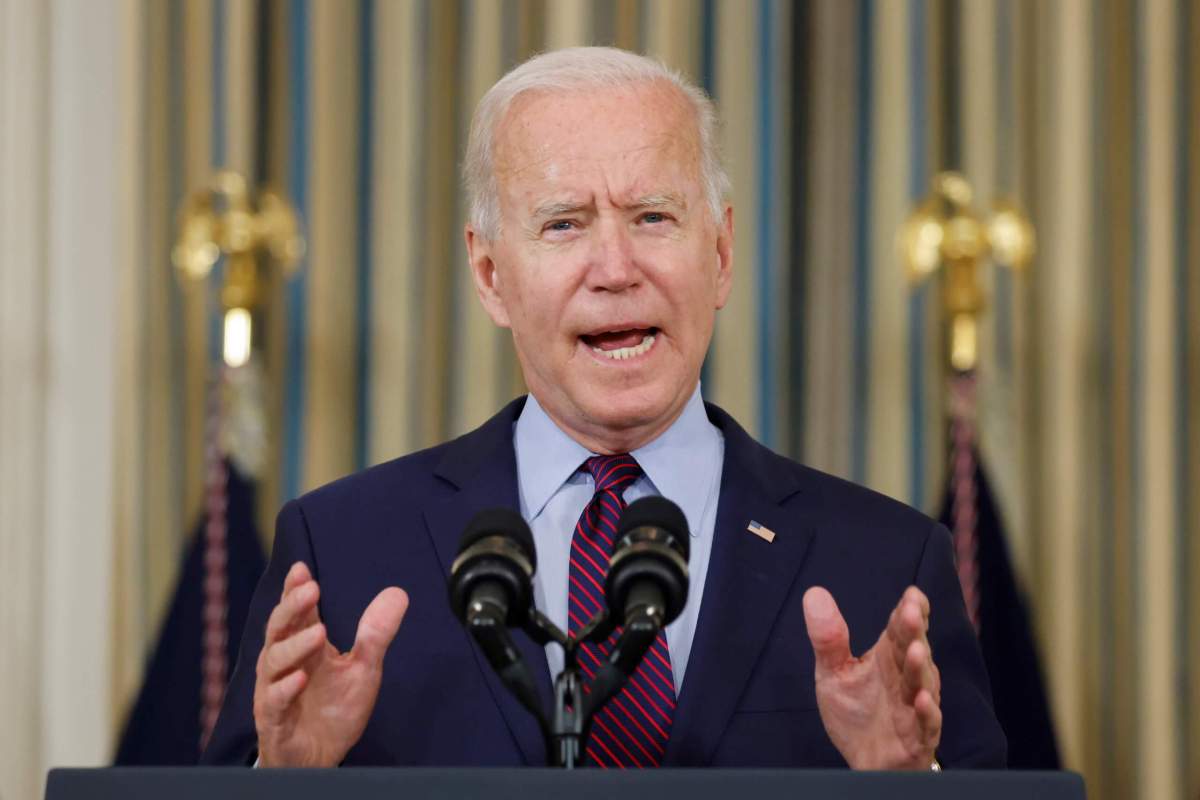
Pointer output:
x,y
837,115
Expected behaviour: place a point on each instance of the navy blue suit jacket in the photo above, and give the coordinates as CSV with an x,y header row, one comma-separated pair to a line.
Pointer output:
x,y
748,698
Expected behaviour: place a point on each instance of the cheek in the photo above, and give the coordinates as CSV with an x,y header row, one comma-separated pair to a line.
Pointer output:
x,y
535,302
694,298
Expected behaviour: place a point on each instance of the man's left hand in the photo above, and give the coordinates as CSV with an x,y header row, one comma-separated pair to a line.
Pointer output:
x,y
883,710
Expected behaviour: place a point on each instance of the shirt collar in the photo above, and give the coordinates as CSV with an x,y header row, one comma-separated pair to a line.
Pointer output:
x,y
546,457
681,464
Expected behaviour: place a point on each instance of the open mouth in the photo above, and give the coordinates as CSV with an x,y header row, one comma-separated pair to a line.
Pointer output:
x,y
621,344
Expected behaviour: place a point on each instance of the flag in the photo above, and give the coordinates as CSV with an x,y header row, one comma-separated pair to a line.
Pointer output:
x,y
164,725
186,676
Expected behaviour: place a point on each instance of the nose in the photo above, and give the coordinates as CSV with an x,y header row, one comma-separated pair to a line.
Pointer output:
x,y
612,265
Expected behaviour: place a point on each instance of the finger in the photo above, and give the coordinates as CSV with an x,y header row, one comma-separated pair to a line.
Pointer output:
x,y
914,595
297,609
283,692
379,624
297,575
826,630
929,718
293,609
908,623
283,657
918,672
304,575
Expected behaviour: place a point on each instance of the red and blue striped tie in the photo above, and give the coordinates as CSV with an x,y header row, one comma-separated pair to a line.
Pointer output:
x,y
631,729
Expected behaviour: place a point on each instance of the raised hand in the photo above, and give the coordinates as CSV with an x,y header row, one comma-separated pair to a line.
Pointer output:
x,y
882,710
311,702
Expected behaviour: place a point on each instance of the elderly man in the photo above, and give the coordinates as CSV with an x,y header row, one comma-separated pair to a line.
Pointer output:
x,y
600,235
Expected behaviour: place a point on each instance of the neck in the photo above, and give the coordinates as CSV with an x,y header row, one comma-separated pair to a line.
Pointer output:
x,y
607,441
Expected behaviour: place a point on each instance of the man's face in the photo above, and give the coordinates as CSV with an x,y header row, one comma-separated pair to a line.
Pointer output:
x,y
609,267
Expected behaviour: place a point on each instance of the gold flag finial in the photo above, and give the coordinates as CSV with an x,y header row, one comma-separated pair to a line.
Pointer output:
x,y
222,218
945,232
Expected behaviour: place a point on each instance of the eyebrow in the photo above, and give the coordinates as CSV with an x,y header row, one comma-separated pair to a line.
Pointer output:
x,y
559,207
659,201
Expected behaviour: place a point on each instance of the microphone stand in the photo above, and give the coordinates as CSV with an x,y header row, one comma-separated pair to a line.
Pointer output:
x,y
569,725
653,580
567,728
486,624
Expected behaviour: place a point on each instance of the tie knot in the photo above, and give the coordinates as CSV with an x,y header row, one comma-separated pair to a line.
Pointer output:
x,y
613,472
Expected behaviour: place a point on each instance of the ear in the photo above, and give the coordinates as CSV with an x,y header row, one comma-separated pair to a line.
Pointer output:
x,y
725,257
487,280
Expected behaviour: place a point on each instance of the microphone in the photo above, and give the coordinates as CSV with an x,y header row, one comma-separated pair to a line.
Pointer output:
x,y
647,574
492,574
491,590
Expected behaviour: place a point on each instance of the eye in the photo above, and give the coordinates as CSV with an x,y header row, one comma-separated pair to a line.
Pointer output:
x,y
654,217
560,225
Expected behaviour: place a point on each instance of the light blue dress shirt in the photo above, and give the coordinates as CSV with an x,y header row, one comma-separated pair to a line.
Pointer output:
x,y
683,465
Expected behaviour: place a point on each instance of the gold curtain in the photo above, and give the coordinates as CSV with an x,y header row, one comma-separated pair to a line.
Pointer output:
x,y
836,116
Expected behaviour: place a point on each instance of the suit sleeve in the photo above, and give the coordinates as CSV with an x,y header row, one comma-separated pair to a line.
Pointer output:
x,y
971,734
234,741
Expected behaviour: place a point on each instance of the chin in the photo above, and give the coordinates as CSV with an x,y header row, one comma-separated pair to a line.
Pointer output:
x,y
633,407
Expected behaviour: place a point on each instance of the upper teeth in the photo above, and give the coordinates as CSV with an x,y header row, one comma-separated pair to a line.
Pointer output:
x,y
629,352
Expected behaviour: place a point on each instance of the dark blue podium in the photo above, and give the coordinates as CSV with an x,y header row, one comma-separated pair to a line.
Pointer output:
x,y
225,783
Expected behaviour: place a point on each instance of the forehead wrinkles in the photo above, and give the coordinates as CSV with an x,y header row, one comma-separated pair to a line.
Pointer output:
x,y
629,170
548,137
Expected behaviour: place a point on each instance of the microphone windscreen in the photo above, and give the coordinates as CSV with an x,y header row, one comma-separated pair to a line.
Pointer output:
x,y
500,522
661,513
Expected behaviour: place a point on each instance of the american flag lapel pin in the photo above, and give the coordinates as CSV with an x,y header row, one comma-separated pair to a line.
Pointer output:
x,y
764,533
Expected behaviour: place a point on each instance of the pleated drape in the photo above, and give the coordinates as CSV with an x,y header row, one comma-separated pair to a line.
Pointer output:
x,y
836,115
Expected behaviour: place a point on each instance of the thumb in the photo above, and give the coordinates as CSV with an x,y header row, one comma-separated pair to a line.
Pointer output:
x,y
826,630
379,624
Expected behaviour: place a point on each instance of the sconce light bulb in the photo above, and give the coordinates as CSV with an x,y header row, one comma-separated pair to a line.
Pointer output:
x,y
238,330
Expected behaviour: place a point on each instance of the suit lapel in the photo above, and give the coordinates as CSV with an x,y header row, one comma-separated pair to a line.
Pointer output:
x,y
748,578
747,582
481,471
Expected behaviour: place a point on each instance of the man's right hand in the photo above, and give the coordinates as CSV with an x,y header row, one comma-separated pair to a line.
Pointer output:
x,y
311,702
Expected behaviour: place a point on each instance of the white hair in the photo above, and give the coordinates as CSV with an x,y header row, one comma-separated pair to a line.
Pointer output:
x,y
570,69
